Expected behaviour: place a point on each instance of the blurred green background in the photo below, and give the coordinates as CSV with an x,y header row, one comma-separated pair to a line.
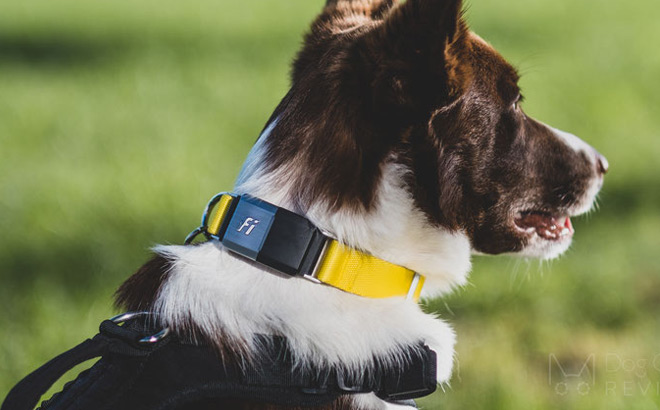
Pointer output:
x,y
119,119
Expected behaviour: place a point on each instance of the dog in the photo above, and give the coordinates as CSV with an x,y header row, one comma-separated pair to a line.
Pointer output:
x,y
402,136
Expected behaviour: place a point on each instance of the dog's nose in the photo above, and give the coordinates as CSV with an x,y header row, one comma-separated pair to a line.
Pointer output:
x,y
602,166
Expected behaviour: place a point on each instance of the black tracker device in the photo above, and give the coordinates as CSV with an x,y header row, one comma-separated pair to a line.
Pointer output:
x,y
271,235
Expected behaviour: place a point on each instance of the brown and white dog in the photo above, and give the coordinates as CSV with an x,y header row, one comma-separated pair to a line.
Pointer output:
x,y
403,136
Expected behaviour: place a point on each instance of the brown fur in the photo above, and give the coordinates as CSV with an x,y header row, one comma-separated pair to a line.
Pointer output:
x,y
417,84
380,80
139,292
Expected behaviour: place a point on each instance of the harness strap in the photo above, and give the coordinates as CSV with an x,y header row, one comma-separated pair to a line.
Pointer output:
x,y
112,338
168,374
27,392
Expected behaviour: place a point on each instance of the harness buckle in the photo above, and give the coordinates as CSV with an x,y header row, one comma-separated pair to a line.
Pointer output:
x,y
417,380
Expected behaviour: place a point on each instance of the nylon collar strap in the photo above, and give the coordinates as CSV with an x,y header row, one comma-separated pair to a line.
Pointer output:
x,y
291,244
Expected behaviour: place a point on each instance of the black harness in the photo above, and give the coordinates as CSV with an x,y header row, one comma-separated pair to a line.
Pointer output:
x,y
137,371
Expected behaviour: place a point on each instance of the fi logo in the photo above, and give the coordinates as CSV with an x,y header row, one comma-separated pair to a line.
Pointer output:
x,y
250,224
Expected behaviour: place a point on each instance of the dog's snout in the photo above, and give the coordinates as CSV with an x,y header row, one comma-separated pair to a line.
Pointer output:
x,y
600,162
602,165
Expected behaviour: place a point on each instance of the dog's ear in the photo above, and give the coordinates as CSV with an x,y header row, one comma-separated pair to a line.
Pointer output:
x,y
408,54
373,9
422,25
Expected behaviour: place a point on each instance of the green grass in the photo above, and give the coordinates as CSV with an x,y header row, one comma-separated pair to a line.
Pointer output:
x,y
119,119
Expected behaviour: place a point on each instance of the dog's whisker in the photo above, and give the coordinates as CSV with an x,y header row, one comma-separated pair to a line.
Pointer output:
x,y
384,168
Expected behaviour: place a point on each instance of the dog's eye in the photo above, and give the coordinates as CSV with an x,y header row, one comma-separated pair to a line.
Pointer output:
x,y
516,103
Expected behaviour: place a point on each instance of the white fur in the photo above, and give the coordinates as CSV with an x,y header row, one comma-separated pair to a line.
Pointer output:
x,y
578,145
252,163
398,232
395,230
372,402
575,143
229,297
538,247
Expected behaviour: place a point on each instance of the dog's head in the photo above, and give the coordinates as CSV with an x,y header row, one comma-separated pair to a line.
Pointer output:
x,y
380,81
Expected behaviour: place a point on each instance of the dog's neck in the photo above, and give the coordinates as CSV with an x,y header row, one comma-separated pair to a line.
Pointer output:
x,y
212,292
393,229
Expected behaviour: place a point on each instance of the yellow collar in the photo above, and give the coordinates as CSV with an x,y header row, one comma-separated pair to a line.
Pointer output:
x,y
362,274
261,231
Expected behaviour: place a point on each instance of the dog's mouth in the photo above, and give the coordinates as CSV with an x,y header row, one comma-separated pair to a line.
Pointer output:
x,y
546,225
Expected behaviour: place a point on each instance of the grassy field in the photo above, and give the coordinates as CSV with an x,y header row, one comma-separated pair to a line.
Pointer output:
x,y
119,119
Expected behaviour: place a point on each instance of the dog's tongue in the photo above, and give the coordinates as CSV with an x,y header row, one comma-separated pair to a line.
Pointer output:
x,y
546,226
568,225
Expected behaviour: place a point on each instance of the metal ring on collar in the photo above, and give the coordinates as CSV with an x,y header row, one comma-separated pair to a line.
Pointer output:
x,y
202,229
